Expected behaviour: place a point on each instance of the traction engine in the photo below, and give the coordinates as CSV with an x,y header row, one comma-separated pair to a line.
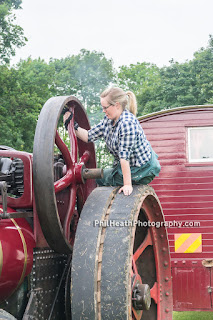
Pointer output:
x,y
69,249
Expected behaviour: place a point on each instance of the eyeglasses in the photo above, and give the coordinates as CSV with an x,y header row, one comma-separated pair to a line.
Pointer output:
x,y
104,108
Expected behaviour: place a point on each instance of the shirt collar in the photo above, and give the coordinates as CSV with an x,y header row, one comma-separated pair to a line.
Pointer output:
x,y
119,119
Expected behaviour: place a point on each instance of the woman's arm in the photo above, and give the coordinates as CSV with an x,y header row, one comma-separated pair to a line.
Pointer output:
x,y
127,187
80,132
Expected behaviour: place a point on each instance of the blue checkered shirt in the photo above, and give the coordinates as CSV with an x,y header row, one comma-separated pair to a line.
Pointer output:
x,y
125,139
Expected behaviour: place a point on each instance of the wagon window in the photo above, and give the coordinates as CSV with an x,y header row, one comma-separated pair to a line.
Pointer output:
x,y
200,144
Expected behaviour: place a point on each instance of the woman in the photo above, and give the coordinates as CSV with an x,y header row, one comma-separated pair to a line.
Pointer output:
x,y
135,161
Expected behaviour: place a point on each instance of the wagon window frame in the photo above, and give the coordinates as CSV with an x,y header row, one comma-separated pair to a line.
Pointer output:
x,y
192,159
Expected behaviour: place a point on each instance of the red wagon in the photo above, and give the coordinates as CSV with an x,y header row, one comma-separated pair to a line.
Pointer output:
x,y
183,139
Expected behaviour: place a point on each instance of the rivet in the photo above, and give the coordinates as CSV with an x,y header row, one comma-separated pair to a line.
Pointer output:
x,y
167,310
164,249
183,261
167,294
165,263
166,279
161,236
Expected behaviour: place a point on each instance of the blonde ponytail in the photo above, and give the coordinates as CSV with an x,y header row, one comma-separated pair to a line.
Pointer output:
x,y
132,103
126,99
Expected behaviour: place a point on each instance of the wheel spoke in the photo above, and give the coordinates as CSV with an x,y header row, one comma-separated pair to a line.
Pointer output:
x,y
85,157
137,315
134,267
64,150
73,139
147,242
80,197
64,182
154,292
70,211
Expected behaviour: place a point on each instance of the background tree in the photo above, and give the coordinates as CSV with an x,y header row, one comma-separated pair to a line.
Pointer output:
x,y
178,84
202,69
11,35
144,80
23,91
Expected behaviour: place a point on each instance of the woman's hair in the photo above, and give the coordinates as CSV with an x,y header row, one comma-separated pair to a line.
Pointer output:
x,y
126,99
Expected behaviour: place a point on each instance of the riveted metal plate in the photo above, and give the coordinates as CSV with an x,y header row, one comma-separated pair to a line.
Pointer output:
x,y
46,275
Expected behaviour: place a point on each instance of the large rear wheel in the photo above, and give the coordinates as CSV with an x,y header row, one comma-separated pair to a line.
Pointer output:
x,y
121,263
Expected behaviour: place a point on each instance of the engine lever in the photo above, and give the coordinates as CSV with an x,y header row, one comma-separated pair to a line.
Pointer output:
x,y
3,189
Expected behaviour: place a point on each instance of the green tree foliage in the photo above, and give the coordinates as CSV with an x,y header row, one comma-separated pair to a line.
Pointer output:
x,y
11,35
189,83
23,91
144,80
202,69
176,85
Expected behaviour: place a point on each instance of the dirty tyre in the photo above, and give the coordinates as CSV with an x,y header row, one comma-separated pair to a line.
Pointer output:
x,y
117,263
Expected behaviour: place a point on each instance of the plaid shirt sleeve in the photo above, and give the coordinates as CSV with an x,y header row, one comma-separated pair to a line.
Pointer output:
x,y
96,132
126,140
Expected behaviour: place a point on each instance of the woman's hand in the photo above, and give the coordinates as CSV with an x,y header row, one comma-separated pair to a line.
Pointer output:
x,y
127,190
127,187
67,118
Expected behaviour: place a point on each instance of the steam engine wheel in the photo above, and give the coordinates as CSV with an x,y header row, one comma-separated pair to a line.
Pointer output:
x,y
59,198
121,264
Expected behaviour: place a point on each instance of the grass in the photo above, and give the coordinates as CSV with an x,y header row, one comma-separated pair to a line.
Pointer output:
x,y
192,315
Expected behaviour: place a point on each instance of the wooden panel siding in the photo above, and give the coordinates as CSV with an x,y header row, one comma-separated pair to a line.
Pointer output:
x,y
185,191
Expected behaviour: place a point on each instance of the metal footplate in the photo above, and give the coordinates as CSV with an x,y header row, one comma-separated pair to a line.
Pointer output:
x,y
47,281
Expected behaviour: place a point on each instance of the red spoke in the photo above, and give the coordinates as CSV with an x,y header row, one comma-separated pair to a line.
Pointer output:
x,y
70,212
147,242
136,315
134,267
73,139
64,150
154,292
64,182
85,157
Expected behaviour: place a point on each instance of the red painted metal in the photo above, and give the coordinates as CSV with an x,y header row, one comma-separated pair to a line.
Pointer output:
x,y
156,238
16,253
26,200
73,176
68,179
185,193
161,290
